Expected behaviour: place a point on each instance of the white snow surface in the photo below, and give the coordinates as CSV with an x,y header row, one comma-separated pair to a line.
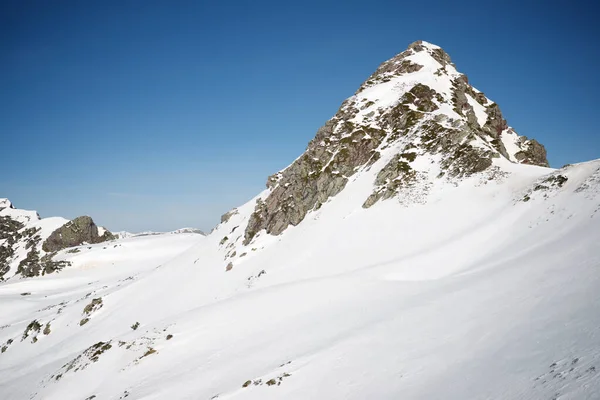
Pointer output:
x,y
23,216
387,94
510,140
125,234
472,294
478,109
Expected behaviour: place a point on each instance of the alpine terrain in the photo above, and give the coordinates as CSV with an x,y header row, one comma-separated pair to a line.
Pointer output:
x,y
419,248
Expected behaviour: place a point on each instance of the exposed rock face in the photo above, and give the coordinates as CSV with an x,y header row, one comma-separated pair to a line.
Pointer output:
x,y
532,153
9,235
225,217
435,112
28,244
395,175
456,122
20,243
34,265
74,233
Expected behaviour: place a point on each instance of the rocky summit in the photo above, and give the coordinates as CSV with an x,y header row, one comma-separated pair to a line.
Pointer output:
x,y
417,113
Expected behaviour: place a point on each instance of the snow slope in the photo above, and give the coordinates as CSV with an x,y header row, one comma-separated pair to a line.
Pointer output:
x,y
476,294
478,285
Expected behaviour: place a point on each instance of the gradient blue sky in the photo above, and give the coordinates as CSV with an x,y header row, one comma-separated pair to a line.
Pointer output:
x,y
153,115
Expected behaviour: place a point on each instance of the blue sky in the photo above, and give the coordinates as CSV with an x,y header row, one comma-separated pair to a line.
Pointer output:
x,y
152,115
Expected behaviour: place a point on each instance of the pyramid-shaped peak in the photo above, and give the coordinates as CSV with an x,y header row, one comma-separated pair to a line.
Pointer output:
x,y
420,56
417,121
435,51
420,45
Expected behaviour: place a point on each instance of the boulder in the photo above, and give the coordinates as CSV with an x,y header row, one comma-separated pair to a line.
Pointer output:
x,y
74,233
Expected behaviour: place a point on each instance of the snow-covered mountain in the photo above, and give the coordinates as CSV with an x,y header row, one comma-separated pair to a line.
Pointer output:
x,y
419,248
29,243
124,234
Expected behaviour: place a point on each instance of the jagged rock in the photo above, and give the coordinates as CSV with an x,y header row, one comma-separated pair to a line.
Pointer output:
x,y
495,122
467,160
74,233
225,217
395,175
9,232
533,153
13,232
422,97
9,227
466,141
21,237
437,53
34,265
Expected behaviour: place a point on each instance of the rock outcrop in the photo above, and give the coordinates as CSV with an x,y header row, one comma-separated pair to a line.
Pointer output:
x,y
532,153
225,217
21,235
416,104
9,235
35,265
74,233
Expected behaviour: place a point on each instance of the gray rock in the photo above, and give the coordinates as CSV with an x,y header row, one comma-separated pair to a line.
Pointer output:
x,y
342,147
438,54
225,217
9,231
533,153
495,122
33,265
74,233
395,175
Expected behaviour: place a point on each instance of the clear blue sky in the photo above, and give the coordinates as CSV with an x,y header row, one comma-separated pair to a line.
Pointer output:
x,y
152,115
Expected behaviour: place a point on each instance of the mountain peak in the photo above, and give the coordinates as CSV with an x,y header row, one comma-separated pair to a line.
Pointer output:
x,y
422,45
420,57
433,50
416,120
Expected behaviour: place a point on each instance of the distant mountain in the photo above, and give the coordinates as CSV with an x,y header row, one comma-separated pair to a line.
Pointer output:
x,y
124,234
29,244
